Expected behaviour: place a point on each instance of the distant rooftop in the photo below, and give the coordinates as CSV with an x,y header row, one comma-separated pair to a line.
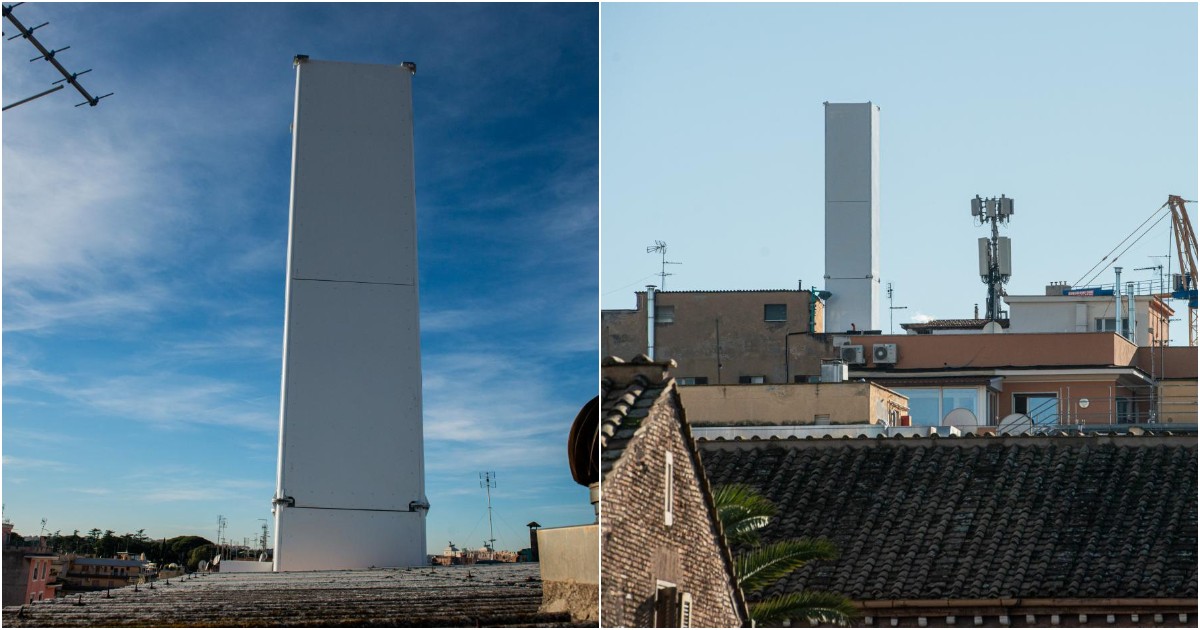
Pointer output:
x,y
461,596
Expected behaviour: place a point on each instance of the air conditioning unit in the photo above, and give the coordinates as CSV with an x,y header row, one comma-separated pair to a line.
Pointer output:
x,y
852,355
884,352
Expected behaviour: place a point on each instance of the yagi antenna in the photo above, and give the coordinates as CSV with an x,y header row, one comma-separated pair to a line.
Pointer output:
x,y
661,247
50,56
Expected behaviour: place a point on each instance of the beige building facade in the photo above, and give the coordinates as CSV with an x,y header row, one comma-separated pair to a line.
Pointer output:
x,y
724,337
793,404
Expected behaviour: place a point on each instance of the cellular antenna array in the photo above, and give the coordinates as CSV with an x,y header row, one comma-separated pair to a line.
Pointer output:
x,y
71,78
995,253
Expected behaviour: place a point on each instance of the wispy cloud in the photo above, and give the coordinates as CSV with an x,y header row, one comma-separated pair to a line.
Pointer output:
x,y
34,464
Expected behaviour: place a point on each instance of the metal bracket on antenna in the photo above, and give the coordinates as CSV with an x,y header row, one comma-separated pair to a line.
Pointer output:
x,y
412,67
422,504
49,55
27,32
288,501
299,59
94,101
71,79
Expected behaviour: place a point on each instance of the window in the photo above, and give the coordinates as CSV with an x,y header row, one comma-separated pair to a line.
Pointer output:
x,y
775,312
1107,324
692,380
752,380
1041,408
1126,411
664,314
928,406
685,610
666,605
669,491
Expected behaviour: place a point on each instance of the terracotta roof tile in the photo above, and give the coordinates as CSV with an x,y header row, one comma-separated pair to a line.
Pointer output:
x,y
972,517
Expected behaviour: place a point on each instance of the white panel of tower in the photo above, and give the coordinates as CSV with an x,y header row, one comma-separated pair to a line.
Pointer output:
x,y
350,481
852,215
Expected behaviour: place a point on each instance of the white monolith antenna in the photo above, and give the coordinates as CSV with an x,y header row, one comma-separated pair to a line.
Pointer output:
x,y
351,477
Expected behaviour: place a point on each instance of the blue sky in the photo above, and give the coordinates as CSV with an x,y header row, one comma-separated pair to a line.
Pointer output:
x,y
144,247
713,140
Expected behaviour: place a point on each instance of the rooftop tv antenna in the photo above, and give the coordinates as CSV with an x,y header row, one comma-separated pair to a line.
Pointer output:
x,y
661,247
892,309
995,254
71,78
488,480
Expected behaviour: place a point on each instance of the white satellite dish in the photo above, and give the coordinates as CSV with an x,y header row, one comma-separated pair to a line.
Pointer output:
x,y
992,328
1015,424
961,418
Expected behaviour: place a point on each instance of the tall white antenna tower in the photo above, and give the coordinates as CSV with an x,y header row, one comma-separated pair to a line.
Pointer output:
x,y
661,248
488,480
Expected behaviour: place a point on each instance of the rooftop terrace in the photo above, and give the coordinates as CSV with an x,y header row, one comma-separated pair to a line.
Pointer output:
x,y
458,596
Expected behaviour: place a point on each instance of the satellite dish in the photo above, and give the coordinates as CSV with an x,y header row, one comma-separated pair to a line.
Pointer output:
x,y
961,418
992,328
1015,424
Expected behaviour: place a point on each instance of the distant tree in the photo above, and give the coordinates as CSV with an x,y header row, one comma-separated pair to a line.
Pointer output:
x,y
203,552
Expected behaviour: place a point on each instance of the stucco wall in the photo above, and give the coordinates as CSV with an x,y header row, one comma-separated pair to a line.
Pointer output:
x,y
798,403
724,325
938,352
570,567
1042,314
639,549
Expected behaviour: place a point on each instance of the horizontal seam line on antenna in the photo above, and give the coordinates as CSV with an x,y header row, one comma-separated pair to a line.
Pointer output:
x,y
314,507
390,284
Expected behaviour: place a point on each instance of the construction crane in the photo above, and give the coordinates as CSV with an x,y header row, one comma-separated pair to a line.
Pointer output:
x,y
1185,246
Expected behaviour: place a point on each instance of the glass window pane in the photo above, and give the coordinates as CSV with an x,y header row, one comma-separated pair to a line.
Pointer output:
x,y
923,405
960,398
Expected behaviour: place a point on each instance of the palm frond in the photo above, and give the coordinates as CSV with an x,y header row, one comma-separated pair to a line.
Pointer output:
x,y
742,511
817,606
764,565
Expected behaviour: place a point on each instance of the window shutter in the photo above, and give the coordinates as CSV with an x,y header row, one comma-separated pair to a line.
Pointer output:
x,y
665,607
685,610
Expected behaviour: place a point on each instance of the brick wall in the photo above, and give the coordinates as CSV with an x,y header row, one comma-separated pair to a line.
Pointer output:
x,y
639,549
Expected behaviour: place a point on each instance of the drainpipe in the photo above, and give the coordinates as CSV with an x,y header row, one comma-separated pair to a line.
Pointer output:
x,y
1132,314
650,317
1117,293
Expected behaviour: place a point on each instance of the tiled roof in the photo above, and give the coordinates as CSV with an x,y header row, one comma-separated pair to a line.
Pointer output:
x,y
981,517
623,407
459,596
950,324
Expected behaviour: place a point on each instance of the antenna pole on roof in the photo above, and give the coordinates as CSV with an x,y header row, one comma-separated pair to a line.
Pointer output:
x,y
995,254
661,247
488,480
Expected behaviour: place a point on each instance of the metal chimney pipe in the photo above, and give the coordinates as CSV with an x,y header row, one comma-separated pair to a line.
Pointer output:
x,y
1117,294
1132,309
650,316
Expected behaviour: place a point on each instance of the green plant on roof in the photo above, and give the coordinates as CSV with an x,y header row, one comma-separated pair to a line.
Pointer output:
x,y
742,512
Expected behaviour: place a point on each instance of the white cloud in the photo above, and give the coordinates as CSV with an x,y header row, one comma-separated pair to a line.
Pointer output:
x,y
30,463
921,318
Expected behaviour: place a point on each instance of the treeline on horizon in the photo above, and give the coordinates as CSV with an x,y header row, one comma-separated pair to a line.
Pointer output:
x,y
182,550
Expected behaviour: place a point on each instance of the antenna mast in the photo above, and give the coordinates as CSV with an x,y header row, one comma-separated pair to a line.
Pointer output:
x,y
892,309
995,254
70,78
488,480
661,247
